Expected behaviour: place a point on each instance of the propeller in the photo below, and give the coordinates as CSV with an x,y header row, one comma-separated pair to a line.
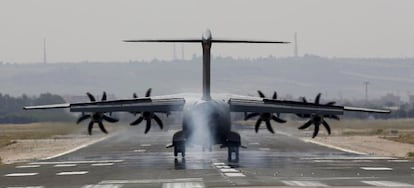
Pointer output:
x,y
96,117
265,117
317,119
147,116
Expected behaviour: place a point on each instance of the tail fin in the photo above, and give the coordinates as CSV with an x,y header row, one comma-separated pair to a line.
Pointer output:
x,y
206,41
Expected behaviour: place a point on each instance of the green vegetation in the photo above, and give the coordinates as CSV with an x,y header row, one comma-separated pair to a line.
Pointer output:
x,y
11,109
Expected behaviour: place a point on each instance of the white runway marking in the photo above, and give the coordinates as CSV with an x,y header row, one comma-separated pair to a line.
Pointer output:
x,y
145,145
254,143
412,168
234,174
102,164
65,165
264,149
139,150
79,147
376,168
72,173
220,167
147,181
103,186
304,183
399,161
219,164
28,166
184,185
332,146
228,170
20,174
387,183
349,158
75,162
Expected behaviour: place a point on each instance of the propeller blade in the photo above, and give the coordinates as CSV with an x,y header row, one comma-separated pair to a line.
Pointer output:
x,y
101,126
269,126
158,120
306,125
82,118
103,96
277,119
304,100
326,125
248,116
261,94
332,117
318,98
134,95
148,93
316,131
137,121
331,103
91,97
148,127
110,119
90,126
258,122
274,95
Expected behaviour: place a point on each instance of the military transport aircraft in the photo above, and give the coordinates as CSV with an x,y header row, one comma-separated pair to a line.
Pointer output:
x,y
207,119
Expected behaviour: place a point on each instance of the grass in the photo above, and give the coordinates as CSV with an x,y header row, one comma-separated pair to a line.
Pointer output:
x,y
9,133
410,155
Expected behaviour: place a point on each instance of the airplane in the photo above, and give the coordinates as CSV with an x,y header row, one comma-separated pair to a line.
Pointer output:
x,y
206,120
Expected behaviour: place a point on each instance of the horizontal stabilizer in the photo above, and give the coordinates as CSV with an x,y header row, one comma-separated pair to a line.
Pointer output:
x,y
167,40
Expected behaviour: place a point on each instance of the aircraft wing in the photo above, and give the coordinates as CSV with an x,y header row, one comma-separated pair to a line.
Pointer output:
x,y
126,105
294,107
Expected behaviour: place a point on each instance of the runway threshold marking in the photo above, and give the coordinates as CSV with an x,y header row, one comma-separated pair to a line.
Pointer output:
x,y
387,183
28,166
72,173
304,183
227,170
21,174
376,168
184,185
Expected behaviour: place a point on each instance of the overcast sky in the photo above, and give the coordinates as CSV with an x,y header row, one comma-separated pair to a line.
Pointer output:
x,y
79,30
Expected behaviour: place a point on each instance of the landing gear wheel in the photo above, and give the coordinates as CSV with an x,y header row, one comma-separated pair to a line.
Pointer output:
x,y
179,148
231,150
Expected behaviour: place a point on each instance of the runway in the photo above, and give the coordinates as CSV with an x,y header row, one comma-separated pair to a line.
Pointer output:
x,y
132,159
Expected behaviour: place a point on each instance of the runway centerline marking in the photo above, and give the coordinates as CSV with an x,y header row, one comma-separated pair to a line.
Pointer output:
x,y
102,164
149,181
28,166
184,185
72,173
103,186
139,150
145,145
65,165
21,174
376,168
304,183
387,183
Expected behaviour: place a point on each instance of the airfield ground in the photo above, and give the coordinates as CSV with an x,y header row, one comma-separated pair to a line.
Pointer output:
x,y
28,142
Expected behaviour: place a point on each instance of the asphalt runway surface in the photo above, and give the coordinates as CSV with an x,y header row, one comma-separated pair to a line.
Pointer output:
x,y
130,158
